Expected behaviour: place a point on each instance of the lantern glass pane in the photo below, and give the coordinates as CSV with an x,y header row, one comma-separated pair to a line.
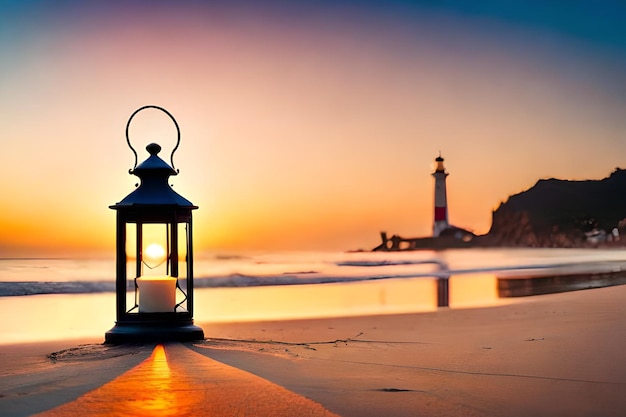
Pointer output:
x,y
181,295
131,266
155,250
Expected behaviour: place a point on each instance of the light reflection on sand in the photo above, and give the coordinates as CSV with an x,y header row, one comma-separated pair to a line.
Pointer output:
x,y
159,391
474,290
63,316
310,301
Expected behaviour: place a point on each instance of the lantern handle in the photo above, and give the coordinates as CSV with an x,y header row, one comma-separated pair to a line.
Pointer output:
x,y
177,132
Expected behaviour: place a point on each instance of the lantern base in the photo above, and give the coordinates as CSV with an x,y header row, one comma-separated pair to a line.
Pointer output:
x,y
135,332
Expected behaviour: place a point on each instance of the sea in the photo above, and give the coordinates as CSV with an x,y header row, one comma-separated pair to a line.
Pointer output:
x,y
44,299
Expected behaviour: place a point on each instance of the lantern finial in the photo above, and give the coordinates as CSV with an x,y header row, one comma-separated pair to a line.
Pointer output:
x,y
153,149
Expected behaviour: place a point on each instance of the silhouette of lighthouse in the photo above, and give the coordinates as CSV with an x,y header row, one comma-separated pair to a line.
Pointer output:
x,y
441,201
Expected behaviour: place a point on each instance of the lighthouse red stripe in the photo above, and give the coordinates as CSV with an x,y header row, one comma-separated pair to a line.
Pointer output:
x,y
440,213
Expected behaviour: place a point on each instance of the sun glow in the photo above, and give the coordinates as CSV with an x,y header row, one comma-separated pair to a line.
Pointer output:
x,y
155,252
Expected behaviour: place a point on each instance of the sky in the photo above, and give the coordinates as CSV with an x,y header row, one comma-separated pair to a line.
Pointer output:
x,y
304,125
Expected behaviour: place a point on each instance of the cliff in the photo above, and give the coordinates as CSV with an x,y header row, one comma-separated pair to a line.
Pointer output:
x,y
562,213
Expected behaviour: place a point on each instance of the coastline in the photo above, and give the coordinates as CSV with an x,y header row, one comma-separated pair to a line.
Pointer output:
x,y
556,354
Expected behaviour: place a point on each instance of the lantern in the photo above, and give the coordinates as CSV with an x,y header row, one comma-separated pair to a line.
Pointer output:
x,y
154,255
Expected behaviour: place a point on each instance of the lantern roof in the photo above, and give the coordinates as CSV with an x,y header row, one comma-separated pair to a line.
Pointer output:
x,y
154,189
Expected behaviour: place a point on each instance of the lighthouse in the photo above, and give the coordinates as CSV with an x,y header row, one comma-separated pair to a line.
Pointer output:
x,y
441,201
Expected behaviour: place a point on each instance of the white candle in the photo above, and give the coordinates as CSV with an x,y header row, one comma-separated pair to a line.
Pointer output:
x,y
156,294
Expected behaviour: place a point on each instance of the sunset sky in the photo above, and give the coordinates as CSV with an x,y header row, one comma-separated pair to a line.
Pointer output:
x,y
305,125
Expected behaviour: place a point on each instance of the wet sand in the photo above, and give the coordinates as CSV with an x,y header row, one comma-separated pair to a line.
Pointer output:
x,y
549,355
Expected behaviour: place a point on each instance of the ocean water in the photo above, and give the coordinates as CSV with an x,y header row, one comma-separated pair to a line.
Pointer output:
x,y
30,276
74,298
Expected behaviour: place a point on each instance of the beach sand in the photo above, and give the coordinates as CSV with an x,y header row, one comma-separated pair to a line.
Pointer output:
x,y
552,355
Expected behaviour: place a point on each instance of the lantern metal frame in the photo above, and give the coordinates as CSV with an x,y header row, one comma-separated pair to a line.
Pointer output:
x,y
153,202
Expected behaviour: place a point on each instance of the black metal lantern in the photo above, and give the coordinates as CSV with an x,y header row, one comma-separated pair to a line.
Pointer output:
x,y
154,255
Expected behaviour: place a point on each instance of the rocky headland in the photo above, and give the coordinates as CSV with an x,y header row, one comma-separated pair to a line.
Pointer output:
x,y
562,213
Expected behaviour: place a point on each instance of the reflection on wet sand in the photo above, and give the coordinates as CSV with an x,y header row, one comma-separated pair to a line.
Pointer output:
x,y
389,296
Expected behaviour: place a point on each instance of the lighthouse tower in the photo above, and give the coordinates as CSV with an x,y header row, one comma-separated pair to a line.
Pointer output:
x,y
441,201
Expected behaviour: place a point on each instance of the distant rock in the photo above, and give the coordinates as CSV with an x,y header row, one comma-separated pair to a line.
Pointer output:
x,y
562,213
